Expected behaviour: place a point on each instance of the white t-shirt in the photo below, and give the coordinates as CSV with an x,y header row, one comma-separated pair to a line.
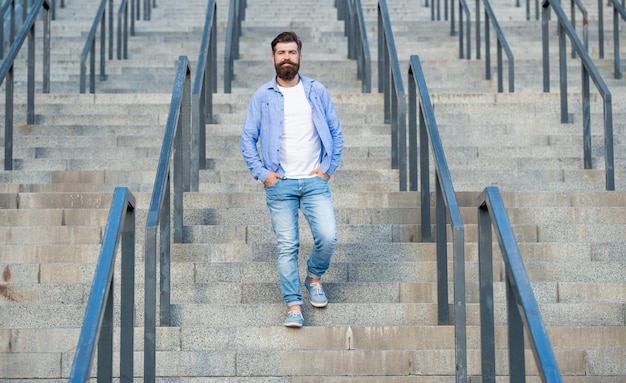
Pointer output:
x,y
300,145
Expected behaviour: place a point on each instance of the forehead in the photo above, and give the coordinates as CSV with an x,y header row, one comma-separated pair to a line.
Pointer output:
x,y
286,46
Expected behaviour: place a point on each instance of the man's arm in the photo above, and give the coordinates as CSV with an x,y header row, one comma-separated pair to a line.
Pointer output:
x,y
249,140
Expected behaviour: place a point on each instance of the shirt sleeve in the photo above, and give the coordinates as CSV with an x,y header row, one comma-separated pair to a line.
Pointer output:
x,y
334,126
250,138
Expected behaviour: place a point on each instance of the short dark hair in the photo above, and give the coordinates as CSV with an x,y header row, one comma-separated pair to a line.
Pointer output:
x,y
286,37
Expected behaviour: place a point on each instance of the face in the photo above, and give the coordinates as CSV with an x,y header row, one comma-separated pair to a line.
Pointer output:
x,y
286,59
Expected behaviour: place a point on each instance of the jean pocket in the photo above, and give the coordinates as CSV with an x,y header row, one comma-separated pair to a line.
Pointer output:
x,y
272,185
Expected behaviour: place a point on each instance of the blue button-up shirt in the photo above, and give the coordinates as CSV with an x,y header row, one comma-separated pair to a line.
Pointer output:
x,y
264,123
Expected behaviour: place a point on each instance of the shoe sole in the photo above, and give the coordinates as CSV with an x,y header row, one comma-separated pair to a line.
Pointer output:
x,y
318,305
292,325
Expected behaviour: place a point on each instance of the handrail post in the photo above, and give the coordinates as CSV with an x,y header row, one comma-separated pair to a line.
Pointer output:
x,y
122,30
608,143
545,43
478,28
205,84
487,47
424,160
616,58
7,73
160,214
127,304
588,69
105,338
390,83
98,323
351,12
565,118
446,206
236,11
30,114
147,9
618,10
485,277
111,18
442,255
46,52
522,309
601,29
103,34
8,120
517,368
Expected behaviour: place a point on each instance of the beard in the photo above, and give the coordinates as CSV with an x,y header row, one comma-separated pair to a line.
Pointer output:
x,y
287,70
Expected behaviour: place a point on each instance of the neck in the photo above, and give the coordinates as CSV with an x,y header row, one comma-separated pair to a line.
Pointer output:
x,y
288,84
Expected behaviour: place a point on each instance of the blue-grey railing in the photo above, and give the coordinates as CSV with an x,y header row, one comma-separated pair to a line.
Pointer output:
x,y
236,15
351,12
391,85
7,73
517,3
435,9
204,85
522,309
89,49
123,30
420,109
7,16
465,28
588,71
618,12
601,27
501,45
97,328
147,8
577,4
160,214
435,13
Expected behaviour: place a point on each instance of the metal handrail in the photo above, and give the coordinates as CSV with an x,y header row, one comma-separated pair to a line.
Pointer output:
x,y
98,322
618,10
147,9
7,72
437,16
351,12
390,84
446,206
601,28
435,10
158,222
585,22
464,9
9,5
528,9
89,48
205,84
522,309
236,14
122,27
588,70
490,16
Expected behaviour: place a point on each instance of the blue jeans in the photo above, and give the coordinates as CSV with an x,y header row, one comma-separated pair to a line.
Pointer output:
x,y
312,197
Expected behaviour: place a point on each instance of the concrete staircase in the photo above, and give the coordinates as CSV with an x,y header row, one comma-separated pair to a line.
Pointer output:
x,y
381,323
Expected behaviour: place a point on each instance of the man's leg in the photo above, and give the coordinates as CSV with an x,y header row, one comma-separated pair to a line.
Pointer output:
x,y
283,200
317,207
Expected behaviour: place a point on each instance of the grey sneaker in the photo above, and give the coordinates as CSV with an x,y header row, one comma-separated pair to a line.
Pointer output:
x,y
294,319
317,297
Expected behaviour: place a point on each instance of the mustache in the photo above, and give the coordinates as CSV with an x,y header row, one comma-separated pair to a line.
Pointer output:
x,y
287,62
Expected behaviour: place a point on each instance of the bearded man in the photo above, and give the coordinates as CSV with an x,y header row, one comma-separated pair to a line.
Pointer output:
x,y
294,120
